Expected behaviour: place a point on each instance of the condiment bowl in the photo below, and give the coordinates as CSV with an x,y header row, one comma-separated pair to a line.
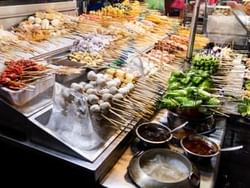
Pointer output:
x,y
199,147
153,134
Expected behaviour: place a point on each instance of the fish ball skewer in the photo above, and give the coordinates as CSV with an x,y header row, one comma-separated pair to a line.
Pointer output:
x,y
92,99
95,108
75,86
88,86
107,97
91,91
91,76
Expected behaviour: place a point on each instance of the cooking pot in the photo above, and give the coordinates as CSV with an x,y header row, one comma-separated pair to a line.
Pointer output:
x,y
161,168
200,124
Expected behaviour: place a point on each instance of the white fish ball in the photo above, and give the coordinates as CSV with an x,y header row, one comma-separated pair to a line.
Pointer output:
x,y
82,84
55,22
38,20
93,83
100,101
101,82
99,75
111,83
123,90
102,91
88,86
113,90
91,76
31,19
92,99
118,82
95,108
105,106
107,97
76,86
91,91
117,96
130,86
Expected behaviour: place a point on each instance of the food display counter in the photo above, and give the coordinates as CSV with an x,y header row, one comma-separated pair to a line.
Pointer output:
x,y
119,177
80,86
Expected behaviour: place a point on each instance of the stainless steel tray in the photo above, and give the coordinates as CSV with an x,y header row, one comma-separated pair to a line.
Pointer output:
x,y
21,97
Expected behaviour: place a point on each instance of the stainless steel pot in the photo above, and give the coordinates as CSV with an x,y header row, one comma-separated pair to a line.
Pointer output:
x,y
161,168
214,147
199,124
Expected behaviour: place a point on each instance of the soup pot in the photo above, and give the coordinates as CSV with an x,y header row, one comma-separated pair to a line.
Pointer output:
x,y
161,168
200,124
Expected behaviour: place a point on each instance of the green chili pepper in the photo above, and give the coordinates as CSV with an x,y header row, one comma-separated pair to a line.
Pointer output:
x,y
247,85
213,101
205,85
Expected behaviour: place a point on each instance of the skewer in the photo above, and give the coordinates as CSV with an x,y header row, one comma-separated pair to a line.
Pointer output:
x,y
112,122
122,111
218,112
129,108
118,115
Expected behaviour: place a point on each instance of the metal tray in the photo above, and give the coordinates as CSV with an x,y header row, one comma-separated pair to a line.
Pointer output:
x,y
21,97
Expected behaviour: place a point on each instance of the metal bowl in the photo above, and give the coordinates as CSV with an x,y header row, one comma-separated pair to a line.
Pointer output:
x,y
201,147
198,146
160,168
153,133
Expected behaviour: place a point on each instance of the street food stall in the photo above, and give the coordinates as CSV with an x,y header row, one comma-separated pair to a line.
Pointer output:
x,y
123,93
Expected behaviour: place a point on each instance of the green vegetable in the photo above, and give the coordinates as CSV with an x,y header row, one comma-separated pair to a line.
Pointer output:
x,y
247,85
205,63
168,103
186,80
189,89
213,101
204,94
186,102
197,80
244,107
174,85
205,85
180,92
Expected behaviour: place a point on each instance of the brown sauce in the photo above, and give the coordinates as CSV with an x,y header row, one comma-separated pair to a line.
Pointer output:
x,y
153,134
199,147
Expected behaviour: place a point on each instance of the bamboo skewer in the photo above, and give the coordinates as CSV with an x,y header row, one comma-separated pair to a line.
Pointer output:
x,y
113,122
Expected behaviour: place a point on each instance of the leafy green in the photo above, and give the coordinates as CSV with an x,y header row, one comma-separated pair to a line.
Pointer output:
x,y
188,89
247,85
244,107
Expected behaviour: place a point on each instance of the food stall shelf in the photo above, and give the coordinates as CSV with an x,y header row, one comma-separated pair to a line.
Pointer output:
x,y
30,133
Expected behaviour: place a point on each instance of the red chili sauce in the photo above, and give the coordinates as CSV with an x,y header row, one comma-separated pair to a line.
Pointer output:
x,y
199,147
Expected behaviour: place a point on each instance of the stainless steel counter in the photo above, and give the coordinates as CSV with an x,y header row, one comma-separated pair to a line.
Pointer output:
x,y
116,177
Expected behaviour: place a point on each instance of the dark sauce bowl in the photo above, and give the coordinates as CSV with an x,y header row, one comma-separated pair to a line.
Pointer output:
x,y
153,134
